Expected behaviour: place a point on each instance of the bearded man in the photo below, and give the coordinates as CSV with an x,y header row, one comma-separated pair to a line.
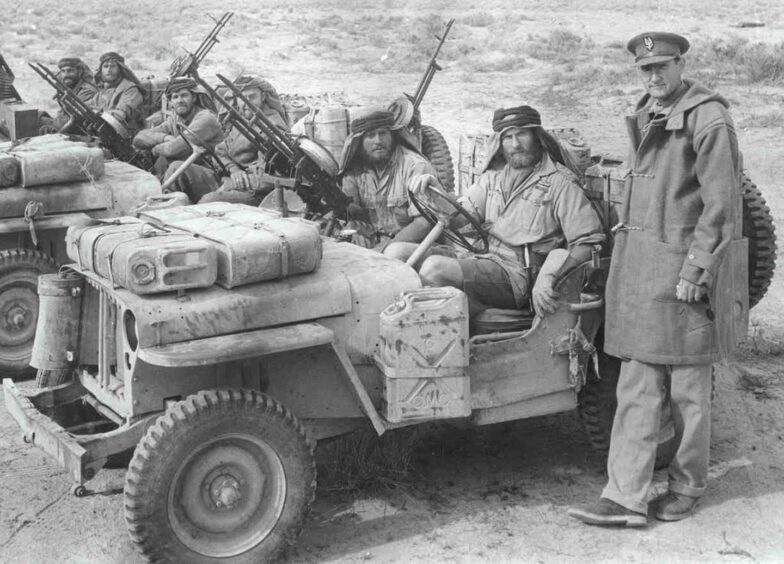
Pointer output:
x,y
245,164
76,75
379,165
194,119
118,92
533,205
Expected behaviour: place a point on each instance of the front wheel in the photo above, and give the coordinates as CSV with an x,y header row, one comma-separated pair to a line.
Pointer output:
x,y
223,474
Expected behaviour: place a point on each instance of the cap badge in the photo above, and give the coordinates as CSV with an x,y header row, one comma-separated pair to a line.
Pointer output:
x,y
648,41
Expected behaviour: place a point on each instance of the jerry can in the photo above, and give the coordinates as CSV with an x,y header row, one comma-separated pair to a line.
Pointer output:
x,y
423,352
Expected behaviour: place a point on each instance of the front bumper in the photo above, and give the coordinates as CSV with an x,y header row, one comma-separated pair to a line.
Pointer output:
x,y
81,455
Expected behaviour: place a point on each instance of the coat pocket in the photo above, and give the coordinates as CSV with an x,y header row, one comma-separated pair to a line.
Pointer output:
x,y
664,263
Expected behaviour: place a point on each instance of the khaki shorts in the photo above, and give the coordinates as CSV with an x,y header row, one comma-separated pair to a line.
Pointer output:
x,y
485,281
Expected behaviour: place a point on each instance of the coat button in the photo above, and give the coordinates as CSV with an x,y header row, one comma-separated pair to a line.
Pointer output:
x,y
691,257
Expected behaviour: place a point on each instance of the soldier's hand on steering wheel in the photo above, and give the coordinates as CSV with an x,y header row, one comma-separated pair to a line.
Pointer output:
x,y
419,184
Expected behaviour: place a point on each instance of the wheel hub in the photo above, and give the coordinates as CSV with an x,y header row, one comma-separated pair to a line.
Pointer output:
x,y
17,316
228,495
225,491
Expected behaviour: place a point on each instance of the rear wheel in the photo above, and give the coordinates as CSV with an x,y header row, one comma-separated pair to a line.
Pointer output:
x,y
436,150
759,229
223,474
19,272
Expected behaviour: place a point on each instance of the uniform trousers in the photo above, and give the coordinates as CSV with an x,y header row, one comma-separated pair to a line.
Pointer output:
x,y
196,181
642,390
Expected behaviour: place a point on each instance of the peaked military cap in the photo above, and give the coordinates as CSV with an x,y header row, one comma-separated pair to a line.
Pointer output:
x,y
654,47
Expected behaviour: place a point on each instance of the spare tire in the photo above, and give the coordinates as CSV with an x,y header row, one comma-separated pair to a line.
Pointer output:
x,y
435,149
759,229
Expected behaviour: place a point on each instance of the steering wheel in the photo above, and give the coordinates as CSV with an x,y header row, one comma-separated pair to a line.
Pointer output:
x,y
211,159
434,213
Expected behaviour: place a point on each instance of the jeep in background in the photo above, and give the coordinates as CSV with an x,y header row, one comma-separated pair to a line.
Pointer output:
x,y
33,223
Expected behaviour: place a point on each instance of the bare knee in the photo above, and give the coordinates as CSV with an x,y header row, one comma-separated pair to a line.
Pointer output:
x,y
441,271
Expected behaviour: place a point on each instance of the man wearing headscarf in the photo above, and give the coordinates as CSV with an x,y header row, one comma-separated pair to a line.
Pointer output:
x,y
118,91
76,75
193,119
533,204
378,166
241,158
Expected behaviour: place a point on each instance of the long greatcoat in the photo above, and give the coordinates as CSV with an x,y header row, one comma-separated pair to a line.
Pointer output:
x,y
681,214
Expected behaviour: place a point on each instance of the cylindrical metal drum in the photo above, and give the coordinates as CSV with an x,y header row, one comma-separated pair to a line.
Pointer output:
x,y
330,128
57,332
296,108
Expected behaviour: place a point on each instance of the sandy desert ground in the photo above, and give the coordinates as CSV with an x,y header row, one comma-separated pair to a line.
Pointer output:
x,y
497,494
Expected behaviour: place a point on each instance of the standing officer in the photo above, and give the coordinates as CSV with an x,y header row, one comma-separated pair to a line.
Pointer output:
x,y
669,313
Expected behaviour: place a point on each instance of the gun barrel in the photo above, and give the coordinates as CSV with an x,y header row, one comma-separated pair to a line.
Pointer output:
x,y
279,139
69,98
211,39
432,67
236,119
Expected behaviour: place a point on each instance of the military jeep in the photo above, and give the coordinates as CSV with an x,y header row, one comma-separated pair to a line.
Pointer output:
x,y
33,222
224,393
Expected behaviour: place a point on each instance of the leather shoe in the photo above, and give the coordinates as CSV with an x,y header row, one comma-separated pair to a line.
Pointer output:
x,y
674,506
608,513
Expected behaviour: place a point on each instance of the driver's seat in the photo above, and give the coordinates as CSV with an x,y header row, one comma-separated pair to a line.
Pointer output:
x,y
496,320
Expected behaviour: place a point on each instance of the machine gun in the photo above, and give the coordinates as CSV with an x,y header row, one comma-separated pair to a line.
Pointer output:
x,y
188,64
7,89
312,166
432,68
105,126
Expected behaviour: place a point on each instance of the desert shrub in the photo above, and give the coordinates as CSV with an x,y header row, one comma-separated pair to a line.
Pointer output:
x,y
559,46
770,118
363,462
478,19
763,63
735,58
495,61
333,21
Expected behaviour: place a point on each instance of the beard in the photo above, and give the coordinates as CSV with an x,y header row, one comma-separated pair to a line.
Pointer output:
x,y
183,110
378,155
522,158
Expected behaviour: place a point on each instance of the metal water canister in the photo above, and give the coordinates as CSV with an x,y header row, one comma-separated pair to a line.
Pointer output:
x,y
423,352
330,128
57,331
296,108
